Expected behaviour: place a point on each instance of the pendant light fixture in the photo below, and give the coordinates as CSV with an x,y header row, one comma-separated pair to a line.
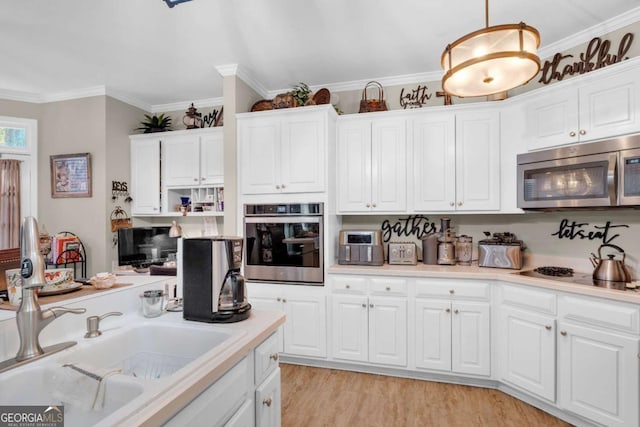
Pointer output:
x,y
491,60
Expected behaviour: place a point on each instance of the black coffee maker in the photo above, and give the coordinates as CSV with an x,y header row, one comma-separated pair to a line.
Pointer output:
x,y
213,288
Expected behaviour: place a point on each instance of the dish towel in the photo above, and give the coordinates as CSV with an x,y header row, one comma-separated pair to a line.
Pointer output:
x,y
83,386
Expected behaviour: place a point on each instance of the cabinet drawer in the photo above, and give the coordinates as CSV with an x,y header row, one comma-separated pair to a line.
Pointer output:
x,y
266,358
544,302
388,286
619,316
349,285
217,403
453,289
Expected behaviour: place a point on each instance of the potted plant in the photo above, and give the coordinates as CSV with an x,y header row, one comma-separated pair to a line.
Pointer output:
x,y
301,93
155,123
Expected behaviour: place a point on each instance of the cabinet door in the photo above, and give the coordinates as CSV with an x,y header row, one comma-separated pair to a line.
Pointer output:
x,y
303,154
388,165
354,166
244,417
477,161
259,160
552,119
269,402
305,331
610,107
388,331
212,158
527,349
350,325
598,375
433,334
145,176
434,154
470,338
269,302
181,160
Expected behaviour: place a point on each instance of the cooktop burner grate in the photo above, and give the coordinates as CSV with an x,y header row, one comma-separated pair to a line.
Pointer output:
x,y
555,271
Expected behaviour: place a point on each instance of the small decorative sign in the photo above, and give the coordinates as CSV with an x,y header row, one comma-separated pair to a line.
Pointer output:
x,y
596,56
213,119
416,225
574,230
415,98
71,175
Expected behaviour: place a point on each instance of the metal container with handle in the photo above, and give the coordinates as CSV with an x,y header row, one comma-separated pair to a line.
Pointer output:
x,y
610,269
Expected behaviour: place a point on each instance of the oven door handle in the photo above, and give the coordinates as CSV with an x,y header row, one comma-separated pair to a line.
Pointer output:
x,y
282,219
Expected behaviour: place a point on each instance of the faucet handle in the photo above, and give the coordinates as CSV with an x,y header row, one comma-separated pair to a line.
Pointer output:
x,y
59,311
93,323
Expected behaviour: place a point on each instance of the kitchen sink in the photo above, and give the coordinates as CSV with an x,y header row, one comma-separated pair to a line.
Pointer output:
x,y
149,350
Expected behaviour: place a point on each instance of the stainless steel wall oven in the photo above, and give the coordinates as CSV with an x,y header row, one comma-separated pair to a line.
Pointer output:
x,y
284,243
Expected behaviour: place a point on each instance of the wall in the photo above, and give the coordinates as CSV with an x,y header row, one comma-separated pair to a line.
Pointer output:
x,y
536,229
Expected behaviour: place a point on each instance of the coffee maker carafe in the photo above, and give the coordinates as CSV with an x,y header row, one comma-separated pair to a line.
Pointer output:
x,y
213,288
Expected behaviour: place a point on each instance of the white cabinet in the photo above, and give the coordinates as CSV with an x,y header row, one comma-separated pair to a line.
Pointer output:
x,y
193,158
268,401
453,327
527,350
145,175
285,151
304,332
369,320
604,106
598,348
372,158
456,161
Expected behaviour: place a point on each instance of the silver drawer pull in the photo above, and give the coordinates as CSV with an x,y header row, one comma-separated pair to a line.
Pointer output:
x,y
267,401
274,356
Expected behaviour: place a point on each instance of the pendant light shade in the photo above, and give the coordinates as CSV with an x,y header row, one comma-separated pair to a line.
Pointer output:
x,y
491,60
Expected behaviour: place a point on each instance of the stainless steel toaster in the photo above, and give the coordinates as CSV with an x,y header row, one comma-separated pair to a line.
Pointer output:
x,y
500,251
403,253
360,247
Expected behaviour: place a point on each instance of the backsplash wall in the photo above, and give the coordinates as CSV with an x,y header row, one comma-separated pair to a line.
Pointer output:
x,y
546,241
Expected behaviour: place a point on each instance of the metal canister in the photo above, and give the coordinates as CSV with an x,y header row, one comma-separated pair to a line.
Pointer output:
x,y
430,249
464,249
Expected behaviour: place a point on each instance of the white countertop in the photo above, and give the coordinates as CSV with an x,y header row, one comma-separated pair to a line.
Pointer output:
x,y
475,272
167,395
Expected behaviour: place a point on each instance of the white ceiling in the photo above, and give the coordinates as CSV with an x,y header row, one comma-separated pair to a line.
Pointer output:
x,y
147,52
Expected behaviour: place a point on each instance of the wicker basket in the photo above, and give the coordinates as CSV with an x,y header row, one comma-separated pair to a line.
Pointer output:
x,y
370,105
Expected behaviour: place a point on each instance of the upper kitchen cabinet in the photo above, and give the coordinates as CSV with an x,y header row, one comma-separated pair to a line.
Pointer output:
x,y
285,151
456,161
193,158
588,108
372,158
145,174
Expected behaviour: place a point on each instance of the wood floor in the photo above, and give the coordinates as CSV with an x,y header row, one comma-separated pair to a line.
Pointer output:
x,y
326,397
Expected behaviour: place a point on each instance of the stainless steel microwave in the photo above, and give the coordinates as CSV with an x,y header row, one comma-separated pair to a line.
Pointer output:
x,y
599,174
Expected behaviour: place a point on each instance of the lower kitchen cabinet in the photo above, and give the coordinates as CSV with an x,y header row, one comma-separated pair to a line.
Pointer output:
x,y
245,417
304,332
598,375
370,329
268,401
453,336
527,350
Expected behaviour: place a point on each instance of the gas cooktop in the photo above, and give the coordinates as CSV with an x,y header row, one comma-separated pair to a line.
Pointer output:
x,y
567,275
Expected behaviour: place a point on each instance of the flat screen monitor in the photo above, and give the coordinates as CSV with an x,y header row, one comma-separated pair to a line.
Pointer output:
x,y
143,246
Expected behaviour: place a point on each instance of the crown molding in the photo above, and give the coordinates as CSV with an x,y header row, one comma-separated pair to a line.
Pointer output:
x,y
74,94
630,17
128,99
16,95
244,74
179,106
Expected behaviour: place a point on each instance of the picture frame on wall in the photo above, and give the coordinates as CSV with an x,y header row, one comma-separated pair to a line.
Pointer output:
x,y
71,175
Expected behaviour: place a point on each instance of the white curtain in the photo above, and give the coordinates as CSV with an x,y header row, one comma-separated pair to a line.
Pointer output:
x,y
9,204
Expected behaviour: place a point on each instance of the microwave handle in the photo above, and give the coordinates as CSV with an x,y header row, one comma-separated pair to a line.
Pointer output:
x,y
612,171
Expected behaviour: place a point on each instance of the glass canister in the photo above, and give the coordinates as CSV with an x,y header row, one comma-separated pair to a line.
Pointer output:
x,y
464,249
154,303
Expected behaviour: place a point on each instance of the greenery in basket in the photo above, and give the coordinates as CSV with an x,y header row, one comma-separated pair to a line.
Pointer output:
x,y
155,123
301,93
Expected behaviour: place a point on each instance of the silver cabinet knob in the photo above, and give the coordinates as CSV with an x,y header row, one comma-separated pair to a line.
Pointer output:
x,y
563,333
364,305
370,305
348,286
548,327
277,187
572,134
281,185
451,291
456,311
267,401
284,300
368,205
388,288
448,310
203,178
274,356
452,203
374,205
459,203
278,299
582,132
195,179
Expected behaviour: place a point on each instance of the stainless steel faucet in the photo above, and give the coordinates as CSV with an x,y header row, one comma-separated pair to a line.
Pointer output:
x,y
30,318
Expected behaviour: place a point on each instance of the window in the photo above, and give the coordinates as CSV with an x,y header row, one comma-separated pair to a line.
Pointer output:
x,y
13,137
